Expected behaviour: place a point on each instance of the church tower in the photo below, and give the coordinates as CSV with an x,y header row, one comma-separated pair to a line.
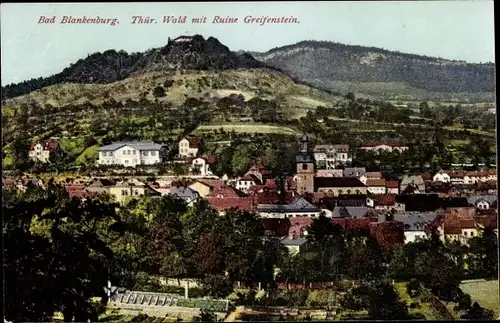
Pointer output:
x,y
305,168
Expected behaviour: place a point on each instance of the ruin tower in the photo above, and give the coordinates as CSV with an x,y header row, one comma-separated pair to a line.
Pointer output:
x,y
305,168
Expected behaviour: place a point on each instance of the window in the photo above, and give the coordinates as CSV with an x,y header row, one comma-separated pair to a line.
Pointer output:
x,y
144,153
126,161
128,152
465,233
153,153
110,153
472,233
304,166
124,152
133,152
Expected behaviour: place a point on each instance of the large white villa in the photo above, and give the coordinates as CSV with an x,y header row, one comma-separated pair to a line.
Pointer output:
x,y
132,153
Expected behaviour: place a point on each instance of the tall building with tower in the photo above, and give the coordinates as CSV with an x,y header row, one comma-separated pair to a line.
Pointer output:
x,y
305,168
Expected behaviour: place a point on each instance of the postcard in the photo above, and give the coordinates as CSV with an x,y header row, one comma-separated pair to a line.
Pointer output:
x,y
249,161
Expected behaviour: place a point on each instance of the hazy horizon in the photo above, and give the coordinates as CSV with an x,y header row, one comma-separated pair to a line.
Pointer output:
x,y
465,32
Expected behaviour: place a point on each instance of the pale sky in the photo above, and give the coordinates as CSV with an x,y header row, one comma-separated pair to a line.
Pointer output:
x,y
461,30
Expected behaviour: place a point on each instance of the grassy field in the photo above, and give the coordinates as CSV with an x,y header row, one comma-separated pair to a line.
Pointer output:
x,y
248,128
425,309
485,293
476,131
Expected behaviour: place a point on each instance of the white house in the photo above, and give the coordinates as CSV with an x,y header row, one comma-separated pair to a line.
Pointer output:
x,y
41,152
329,156
441,177
384,146
132,153
376,186
189,147
201,165
244,183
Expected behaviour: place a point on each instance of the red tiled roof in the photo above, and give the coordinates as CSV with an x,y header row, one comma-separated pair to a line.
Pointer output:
x,y
384,199
273,197
477,174
48,145
376,175
214,183
225,204
392,184
250,177
226,192
492,171
194,142
375,182
82,194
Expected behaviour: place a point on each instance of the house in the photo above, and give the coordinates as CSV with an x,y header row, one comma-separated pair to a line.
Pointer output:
x,y
222,205
298,207
370,175
295,245
415,181
342,154
190,147
201,165
41,151
132,153
339,185
415,224
386,202
375,186
330,156
347,212
226,192
354,172
442,177
260,172
392,187
482,202
100,185
125,190
384,146
481,176
329,173
205,186
246,182
184,193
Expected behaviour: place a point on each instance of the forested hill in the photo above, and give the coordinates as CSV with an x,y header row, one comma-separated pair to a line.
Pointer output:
x,y
111,66
333,65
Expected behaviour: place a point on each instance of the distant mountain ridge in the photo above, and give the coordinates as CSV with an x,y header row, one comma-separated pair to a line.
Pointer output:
x,y
328,64
186,52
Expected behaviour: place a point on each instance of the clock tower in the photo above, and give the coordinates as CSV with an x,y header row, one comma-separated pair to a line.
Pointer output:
x,y
305,168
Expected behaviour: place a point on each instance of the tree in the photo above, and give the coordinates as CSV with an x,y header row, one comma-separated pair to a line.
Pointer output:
x,y
51,229
159,92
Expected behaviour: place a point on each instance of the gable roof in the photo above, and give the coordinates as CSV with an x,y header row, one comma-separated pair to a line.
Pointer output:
x,y
384,199
138,145
418,221
226,192
183,192
298,205
354,171
226,204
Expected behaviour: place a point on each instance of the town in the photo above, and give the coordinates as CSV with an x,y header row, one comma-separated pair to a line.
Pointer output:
x,y
456,206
